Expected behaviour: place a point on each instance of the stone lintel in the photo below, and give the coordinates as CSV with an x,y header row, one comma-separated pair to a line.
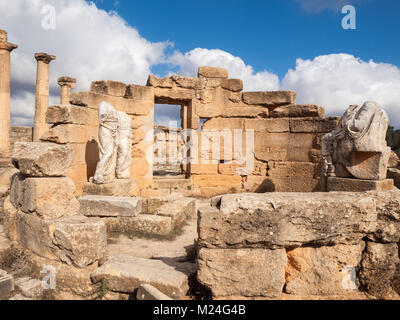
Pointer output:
x,y
44,57
358,185
67,81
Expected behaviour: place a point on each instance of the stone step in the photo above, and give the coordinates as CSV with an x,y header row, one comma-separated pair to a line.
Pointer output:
x,y
109,206
143,223
178,210
123,273
119,188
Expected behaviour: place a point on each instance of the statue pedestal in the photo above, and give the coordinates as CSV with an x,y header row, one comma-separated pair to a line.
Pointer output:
x,y
118,188
358,185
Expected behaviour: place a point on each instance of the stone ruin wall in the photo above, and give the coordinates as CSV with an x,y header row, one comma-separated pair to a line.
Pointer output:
x,y
287,136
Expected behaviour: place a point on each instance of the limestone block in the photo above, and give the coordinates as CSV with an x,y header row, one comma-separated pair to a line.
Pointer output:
x,y
178,210
108,87
244,111
223,123
367,165
148,292
203,168
216,181
82,240
70,133
6,284
187,83
358,185
138,121
242,272
212,72
388,210
93,100
122,273
6,175
69,114
306,125
379,272
137,92
234,85
270,98
36,235
143,224
173,96
38,159
287,220
293,169
267,125
166,82
323,271
109,206
119,188
48,198
298,111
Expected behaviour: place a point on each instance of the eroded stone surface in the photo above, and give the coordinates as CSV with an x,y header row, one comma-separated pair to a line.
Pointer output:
x,y
38,159
243,272
278,220
324,270
124,273
109,206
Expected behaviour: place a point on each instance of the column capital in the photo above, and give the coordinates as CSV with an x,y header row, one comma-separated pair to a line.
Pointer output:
x,y
67,81
4,44
44,57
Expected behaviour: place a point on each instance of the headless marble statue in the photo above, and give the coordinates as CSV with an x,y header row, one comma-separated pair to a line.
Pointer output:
x,y
115,139
357,148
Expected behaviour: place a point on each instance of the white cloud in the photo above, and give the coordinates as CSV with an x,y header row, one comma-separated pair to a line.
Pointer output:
x,y
335,81
90,44
252,81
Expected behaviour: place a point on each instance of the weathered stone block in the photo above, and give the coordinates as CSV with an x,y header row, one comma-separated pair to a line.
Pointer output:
x,y
70,133
323,271
122,273
10,220
69,114
293,169
119,188
166,82
245,112
112,88
110,206
38,159
212,72
270,98
30,288
234,85
267,125
305,125
286,220
137,92
82,240
242,272
379,272
49,198
358,185
298,111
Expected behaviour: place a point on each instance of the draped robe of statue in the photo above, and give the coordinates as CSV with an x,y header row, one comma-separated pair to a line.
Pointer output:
x,y
124,146
358,149
105,170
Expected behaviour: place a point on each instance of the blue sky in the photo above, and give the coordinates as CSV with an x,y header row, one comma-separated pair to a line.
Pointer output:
x,y
269,34
297,45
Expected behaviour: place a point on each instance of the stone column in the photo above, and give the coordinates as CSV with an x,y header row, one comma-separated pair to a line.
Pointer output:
x,y
66,84
5,49
42,94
